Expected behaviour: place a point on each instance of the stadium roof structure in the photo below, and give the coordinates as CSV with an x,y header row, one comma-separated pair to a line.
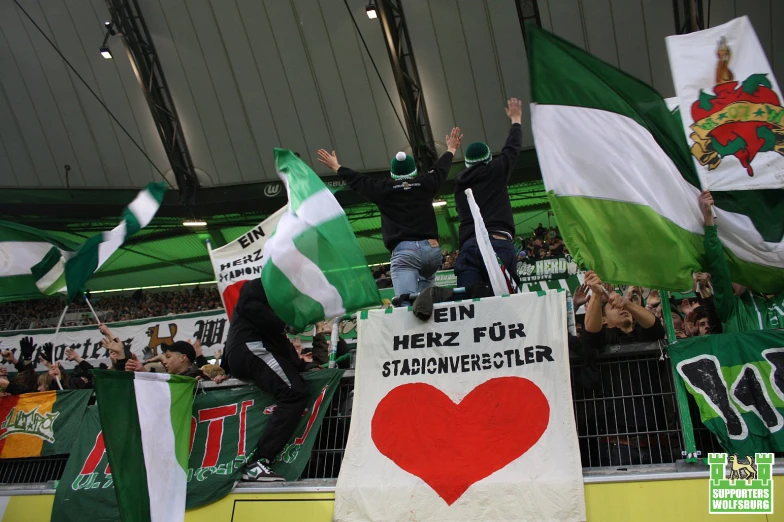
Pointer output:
x,y
199,92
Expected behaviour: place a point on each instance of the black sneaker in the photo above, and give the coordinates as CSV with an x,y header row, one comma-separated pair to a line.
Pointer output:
x,y
260,471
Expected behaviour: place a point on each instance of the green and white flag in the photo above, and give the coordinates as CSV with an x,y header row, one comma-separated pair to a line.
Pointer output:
x,y
35,262
96,250
622,183
23,260
146,421
313,267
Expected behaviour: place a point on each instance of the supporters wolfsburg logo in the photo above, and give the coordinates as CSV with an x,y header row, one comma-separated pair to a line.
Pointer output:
x,y
748,488
31,422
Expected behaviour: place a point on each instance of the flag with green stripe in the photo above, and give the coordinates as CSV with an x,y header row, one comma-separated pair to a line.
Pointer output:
x,y
146,421
27,256
313,267
96,250
622,183
35,262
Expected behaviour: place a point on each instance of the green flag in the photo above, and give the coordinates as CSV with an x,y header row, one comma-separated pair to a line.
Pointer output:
x,y
226,424
96,250
35,262
146,427
737,380
313,267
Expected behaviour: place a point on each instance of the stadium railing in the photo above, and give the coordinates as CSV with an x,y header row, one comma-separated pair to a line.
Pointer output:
x,y
629,421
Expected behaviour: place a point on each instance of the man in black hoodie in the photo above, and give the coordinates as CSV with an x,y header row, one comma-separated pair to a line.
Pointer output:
x,y
408,222
488,178
257,348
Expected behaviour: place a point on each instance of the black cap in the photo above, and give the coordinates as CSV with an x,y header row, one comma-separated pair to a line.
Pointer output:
x,y
182,347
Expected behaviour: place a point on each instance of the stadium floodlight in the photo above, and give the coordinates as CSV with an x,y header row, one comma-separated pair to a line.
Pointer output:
x,y
439,203
371,11
194,223
106,53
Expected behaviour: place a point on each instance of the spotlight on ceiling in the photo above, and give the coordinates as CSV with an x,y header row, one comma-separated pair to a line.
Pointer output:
x,y
106,53
371,11
109,28
194,223
439,203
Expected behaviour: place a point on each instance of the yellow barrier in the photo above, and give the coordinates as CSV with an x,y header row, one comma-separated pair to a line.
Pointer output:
x,y
648,501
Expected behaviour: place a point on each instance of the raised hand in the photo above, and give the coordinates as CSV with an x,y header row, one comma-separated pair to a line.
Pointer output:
x,y
105,331
46,352
514,109
593,282
453,140
580,296
706,207
330,160
113,346
8,355
27,347
133,365
71,355
54,370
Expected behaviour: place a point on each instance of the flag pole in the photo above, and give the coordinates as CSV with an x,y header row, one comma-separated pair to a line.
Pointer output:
x,y
56,331
333,342
98,321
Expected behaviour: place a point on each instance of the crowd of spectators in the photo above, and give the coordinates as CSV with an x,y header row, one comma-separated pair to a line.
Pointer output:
x,y
43,313
540,244
693,314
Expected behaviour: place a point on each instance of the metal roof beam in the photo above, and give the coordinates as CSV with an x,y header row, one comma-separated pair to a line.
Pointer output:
x,y
128,18
401,57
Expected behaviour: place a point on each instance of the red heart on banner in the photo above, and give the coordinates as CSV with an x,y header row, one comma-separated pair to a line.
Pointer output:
x,y
451,446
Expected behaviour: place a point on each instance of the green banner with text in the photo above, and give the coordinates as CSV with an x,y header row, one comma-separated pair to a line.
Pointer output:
x,y
737,380
225,426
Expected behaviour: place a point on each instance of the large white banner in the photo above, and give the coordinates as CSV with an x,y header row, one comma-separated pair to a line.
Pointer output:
x,y
467,416
144,337
731,106
240,261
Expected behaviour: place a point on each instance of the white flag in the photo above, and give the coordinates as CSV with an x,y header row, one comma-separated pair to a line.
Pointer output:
x,y
497,279
240,261
731,107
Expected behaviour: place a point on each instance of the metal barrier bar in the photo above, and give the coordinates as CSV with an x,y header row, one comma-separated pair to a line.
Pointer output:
x,y
690,451
629,418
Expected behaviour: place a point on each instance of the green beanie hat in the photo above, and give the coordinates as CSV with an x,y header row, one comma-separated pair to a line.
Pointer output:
x,y
477,152
402,166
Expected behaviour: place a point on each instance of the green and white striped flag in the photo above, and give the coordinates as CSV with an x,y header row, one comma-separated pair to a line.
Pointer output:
x,y
313,267
35,262
146,422
622,183
24,252
96,250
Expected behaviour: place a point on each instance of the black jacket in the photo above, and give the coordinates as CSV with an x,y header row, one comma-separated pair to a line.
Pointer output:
x,y
488,182
254,320
406,205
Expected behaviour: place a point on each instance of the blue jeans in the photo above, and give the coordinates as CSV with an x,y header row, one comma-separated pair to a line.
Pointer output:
x,y
470,267
413,266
